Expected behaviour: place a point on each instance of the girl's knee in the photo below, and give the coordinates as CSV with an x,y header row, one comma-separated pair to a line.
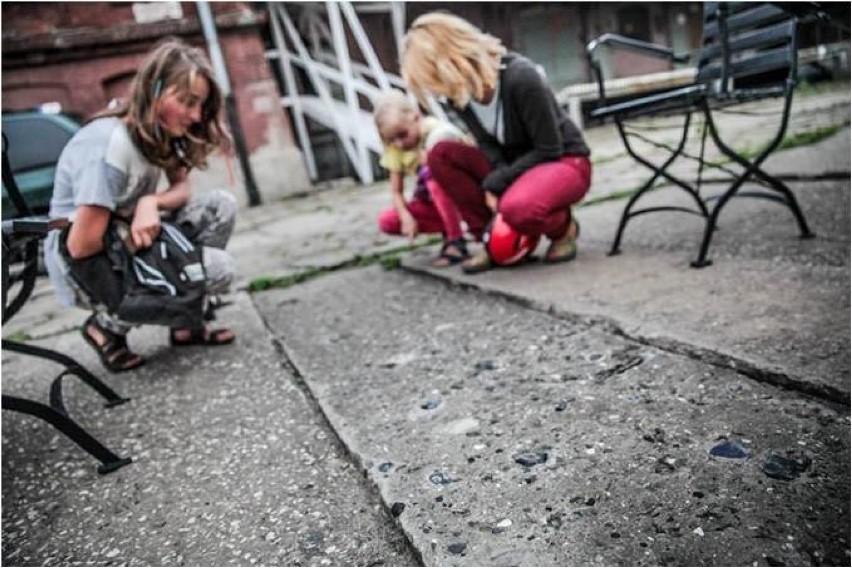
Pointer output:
x,y
209,217
220,269
225,205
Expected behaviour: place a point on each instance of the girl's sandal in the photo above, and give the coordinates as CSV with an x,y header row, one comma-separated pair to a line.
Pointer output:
x,y
448,257
202,336
114,353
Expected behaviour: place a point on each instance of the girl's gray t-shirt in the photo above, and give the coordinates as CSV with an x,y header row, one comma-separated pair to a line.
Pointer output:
x,y
99,166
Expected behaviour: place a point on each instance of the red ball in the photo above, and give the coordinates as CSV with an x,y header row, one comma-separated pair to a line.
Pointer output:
x,y
505,245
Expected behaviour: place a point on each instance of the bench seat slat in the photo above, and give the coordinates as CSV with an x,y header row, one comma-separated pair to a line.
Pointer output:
x,y
757,40
762,15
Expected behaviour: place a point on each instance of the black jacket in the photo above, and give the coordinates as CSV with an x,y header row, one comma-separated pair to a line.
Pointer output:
x,y
535,129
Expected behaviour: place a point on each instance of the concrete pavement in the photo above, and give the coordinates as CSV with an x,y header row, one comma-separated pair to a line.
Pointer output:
x,y
447,394
506,436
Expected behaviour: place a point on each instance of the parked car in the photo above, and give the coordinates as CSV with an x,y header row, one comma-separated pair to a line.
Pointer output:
x,y
35,141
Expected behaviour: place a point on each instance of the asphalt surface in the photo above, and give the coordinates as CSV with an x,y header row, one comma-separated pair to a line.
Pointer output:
x,y
541,415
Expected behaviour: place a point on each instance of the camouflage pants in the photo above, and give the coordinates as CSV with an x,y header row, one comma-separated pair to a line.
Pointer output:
x,y
208,220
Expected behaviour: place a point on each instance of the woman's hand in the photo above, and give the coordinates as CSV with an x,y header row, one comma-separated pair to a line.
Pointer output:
x,y
491,201
146,222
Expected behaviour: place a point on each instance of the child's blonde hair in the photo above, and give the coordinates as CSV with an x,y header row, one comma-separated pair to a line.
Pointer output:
x,y
391,109
448,56
172,64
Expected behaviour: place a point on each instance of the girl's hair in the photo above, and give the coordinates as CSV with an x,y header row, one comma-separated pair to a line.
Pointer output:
x,y
392,108
172,65
446,55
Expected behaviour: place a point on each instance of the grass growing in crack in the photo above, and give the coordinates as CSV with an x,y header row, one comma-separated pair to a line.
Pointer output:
x,y
389,260
24,336
618,195
267,283
796,140
19,336
810,136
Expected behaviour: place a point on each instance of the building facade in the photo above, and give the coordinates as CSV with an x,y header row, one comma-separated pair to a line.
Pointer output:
x,y
82,55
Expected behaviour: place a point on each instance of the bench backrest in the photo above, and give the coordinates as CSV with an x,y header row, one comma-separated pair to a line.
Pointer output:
x,y
747,41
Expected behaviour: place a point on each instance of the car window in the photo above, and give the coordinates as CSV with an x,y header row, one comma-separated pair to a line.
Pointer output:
x,y
34,142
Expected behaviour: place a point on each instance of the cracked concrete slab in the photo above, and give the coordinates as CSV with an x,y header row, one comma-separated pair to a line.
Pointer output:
x,y
505,436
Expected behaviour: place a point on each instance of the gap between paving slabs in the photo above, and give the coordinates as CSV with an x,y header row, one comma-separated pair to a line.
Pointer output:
x,y
389,259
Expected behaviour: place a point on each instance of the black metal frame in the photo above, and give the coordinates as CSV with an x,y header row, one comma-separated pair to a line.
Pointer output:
x,y
25,233
739,41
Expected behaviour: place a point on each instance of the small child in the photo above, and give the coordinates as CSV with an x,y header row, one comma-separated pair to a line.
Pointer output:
x,y
408,136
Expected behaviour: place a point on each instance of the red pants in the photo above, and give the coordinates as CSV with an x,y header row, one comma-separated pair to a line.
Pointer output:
x,y
436,216
536,203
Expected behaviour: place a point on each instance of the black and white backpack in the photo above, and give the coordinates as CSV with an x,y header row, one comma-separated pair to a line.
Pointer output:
x,y
163,284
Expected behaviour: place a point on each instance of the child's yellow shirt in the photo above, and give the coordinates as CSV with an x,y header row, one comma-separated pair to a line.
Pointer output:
x,y
432,131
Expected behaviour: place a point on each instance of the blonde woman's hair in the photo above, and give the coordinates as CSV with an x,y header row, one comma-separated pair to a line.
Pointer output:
x,y
448,56
391,109
172,64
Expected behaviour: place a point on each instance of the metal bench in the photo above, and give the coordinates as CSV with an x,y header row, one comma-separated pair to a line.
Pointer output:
x,y
21,237
748,53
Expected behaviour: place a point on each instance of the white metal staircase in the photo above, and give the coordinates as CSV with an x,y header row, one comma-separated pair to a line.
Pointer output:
x,y
317,43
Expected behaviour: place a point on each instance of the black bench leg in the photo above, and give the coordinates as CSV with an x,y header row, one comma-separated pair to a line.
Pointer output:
x,y
702,259
752,168
790,200
625,214
72,367
710,225
660,170
109,460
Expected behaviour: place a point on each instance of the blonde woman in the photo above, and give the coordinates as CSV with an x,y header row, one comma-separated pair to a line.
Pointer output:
x,y
112,166
531,163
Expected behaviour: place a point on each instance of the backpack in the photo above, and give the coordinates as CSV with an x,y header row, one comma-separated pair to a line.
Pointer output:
x,y
163,284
